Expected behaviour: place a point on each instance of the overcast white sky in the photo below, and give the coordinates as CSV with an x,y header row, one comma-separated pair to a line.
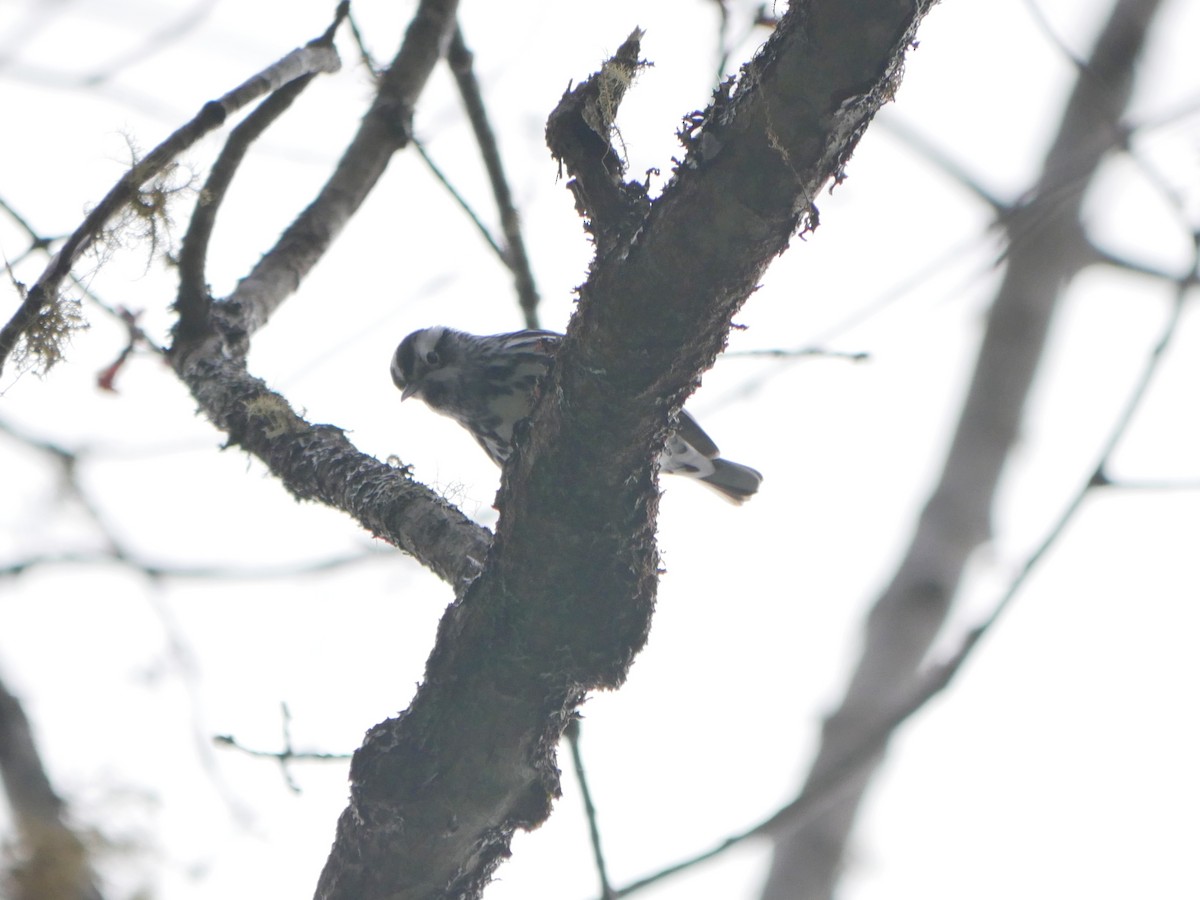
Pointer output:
x,y
1062,762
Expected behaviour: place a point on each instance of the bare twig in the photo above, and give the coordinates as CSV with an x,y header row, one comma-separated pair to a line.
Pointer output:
x,y
1137,267
514,256
459,199
106,379
228,740
364,54
159,572
1043,24
572,734
193,302
899,290
39,242
798,352
285,756
930,150
1137,484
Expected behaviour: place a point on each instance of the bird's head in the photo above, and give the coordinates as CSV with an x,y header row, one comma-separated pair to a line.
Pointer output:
x,y
424,365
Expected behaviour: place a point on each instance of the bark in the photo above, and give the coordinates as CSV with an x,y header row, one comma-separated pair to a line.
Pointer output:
x,y
565,598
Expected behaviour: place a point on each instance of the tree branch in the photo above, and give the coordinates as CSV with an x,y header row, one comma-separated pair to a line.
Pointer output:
x,y
193,303
315,57
459,199
462,65
564,602
1046,251
386,128
572,735
579,133
317,462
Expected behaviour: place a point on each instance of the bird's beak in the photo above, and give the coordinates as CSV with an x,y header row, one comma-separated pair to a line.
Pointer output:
x,y
411,389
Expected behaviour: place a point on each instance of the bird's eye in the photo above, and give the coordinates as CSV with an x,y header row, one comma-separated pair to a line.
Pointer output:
x,y
432,358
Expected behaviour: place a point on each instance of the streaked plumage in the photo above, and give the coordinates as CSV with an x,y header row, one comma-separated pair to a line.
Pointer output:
x,y
487,384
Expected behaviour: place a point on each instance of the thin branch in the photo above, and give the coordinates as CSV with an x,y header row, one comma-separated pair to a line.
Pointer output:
x,y
106,379
285,756
798,353
1043,24
193,302
461,62
364,54
1131,484
1121,426
572,734
44,244
898,291
386,128
1156,178
199,572
38,241
314,57
932,152
1100,256
67,460
459,199
61,455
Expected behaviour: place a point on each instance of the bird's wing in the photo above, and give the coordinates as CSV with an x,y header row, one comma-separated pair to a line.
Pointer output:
x,y
695,435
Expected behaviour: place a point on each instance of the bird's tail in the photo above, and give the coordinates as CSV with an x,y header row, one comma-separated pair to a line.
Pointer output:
x,y
733,481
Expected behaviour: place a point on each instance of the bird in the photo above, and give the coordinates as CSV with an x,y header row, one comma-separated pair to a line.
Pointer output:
x,y
488,383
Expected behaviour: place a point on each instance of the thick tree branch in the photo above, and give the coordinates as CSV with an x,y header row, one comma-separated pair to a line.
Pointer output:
x,y
579,133
317,462
565,599
1047,250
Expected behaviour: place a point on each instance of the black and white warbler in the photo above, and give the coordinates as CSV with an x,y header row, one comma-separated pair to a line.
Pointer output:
x,y
488,383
